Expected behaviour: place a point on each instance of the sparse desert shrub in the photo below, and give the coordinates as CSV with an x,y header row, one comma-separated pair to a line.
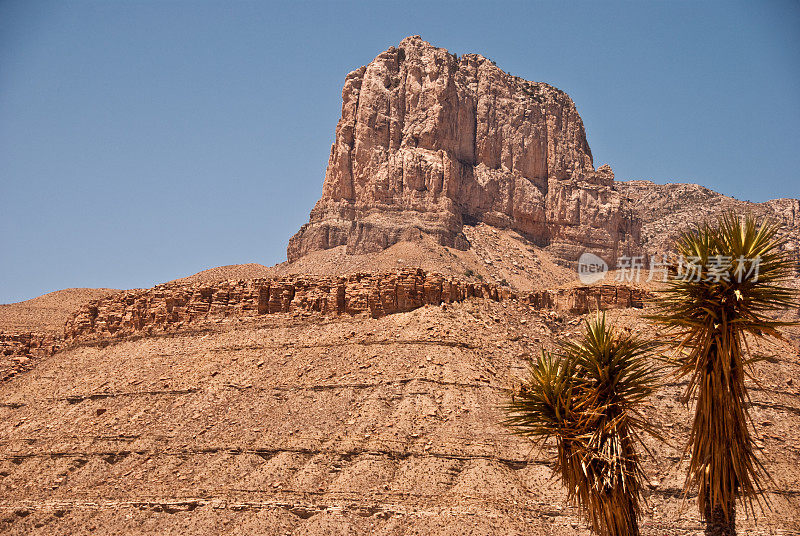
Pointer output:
x,y
585,395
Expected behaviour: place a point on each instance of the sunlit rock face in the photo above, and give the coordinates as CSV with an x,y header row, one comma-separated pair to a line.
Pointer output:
x,y
428,141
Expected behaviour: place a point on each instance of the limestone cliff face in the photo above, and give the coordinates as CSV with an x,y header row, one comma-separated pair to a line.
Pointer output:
x,y
428,141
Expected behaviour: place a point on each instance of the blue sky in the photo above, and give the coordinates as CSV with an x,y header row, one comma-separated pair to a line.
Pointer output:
x,y
144,141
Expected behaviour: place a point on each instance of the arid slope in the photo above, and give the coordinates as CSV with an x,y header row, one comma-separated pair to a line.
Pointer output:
x,y
494,255
316,424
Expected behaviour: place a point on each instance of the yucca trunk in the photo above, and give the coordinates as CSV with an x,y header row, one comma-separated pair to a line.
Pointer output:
x,y
619,503
720,523
617,514
613,490
627,524
720,436
620,511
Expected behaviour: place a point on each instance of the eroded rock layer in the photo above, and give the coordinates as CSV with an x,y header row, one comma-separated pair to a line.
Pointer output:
x,y
428,140
19,349
172,306
375,295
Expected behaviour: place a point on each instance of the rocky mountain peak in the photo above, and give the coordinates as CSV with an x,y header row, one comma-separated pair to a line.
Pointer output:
x,y
429,141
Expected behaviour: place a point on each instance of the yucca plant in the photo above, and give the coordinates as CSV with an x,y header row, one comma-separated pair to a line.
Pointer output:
x,y
717,299
585,395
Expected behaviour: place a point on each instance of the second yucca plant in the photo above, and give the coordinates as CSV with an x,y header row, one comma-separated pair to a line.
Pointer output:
x,y
718,299
585,395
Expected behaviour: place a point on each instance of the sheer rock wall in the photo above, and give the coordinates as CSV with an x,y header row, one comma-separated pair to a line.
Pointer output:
x,y
428,141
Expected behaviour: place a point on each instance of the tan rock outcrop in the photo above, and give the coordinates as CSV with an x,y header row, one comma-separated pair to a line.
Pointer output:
x,y
666,210
428,141
19,349
175,305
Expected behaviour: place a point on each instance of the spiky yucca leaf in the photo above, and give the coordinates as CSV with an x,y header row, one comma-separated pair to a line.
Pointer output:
x,y
545,402
709,317
585,396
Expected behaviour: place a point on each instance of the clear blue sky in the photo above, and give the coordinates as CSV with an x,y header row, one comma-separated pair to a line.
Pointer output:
x,y
144,141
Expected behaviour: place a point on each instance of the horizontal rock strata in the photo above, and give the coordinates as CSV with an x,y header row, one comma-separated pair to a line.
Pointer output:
x,y
175,305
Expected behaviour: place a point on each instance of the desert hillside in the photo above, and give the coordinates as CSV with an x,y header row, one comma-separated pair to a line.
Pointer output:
x,y
47,313
494,255
667,209
304,422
